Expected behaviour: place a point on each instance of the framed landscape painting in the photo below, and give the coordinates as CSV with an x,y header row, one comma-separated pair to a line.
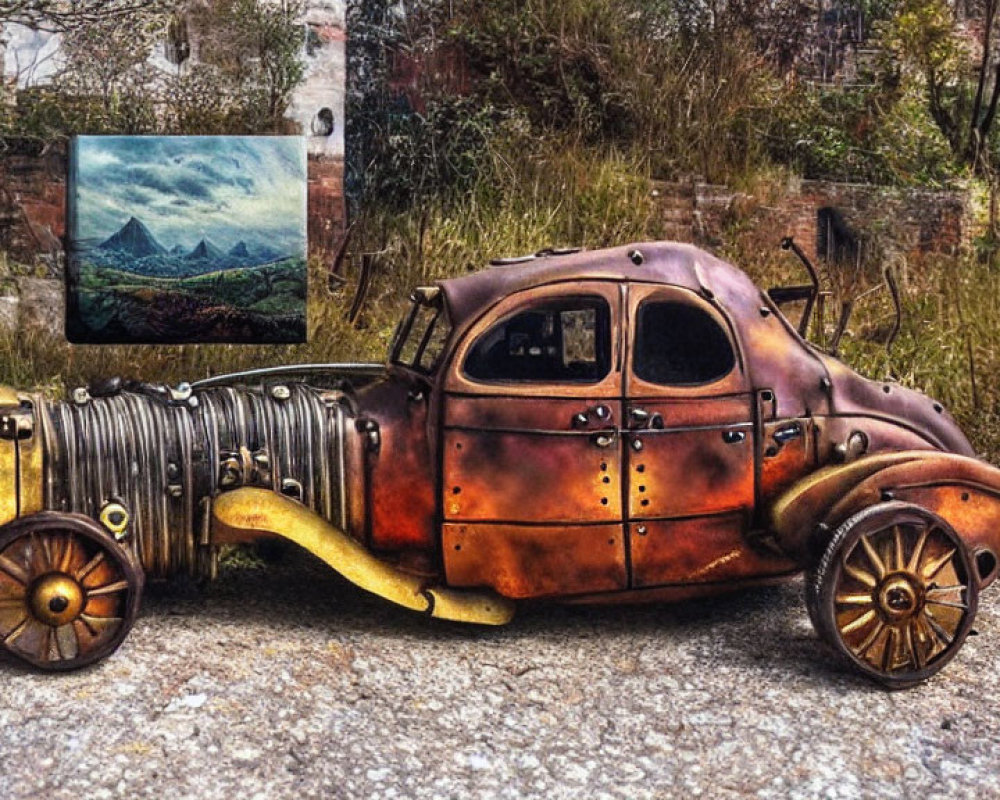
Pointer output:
x,y
177,239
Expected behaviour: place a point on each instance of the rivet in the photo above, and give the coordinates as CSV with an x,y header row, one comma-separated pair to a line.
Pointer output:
x,y
280,392
641,530
81,396
181,393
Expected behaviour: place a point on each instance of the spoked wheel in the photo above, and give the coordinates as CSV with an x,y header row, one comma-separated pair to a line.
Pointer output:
x,y
895,592
68,592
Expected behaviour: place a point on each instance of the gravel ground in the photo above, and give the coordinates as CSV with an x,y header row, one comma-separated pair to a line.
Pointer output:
x,y
286,682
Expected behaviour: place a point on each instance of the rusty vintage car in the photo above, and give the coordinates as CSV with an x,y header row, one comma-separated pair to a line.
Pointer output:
x,y
634,424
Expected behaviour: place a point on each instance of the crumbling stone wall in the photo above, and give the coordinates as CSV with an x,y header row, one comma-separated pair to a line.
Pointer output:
x,y
33,207
908,222
326,209
32,230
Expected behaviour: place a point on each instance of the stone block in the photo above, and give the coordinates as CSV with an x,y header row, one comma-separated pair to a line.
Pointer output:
x,y
9,312
42,305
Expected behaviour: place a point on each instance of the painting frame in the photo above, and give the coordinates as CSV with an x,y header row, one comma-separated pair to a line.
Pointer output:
x,y
187,240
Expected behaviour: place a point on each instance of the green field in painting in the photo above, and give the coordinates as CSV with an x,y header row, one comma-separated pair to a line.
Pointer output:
x,y
240,304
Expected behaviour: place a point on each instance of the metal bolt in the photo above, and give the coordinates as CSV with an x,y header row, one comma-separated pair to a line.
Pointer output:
x,y
182,392
637,445
636,257
81,396
280,392
641,530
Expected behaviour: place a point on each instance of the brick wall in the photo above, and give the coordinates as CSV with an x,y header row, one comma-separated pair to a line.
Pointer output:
x,y
33,207
910,222
326,210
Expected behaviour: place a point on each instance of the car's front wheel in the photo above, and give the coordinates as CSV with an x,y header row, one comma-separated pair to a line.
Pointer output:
x,y
895,593
69,592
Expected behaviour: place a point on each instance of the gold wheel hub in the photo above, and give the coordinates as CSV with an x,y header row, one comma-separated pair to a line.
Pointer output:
x,y
898,598
56,599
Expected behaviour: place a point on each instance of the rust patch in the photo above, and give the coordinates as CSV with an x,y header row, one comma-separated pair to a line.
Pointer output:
x,y
535,561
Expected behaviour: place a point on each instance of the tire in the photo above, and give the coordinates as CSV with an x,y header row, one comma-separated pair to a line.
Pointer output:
x,y
895,593
69,592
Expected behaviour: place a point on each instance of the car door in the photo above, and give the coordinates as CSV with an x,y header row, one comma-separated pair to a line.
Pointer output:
x,y
531,491
689,446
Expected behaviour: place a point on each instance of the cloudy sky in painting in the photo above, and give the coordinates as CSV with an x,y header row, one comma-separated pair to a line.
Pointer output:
x,y
186,188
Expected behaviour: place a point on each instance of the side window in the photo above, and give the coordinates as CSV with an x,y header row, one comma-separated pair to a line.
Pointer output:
x,y
677,344
566,340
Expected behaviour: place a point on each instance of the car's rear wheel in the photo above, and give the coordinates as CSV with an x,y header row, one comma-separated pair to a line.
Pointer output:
x,y
69,593
895,593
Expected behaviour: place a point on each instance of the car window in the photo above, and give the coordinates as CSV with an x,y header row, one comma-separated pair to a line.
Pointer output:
x,y
558,341
678,344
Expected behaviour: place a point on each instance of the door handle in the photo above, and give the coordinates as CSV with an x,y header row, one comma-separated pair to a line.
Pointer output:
x,y
734,437
787,432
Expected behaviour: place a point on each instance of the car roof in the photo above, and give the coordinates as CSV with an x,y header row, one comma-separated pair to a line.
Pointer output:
x,y
669,263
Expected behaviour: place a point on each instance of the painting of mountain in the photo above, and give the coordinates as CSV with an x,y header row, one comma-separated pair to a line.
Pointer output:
x,y
177,239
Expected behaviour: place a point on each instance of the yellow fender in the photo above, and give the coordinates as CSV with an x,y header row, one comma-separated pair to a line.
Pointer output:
x,y
246,513
961,490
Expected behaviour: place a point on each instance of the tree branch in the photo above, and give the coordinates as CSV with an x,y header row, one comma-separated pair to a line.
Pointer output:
x,y
975,133
60,16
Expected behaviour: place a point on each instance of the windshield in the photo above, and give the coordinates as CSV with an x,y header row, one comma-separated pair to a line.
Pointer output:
x,y
421,334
